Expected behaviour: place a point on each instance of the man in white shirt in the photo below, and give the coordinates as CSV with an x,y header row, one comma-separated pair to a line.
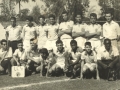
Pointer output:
x,y
108,57
5,57
111,29
42,36
65,30
78,32
93,32
13,33
52,33
29,32
74,58
61,58
33,57
19,56
89,62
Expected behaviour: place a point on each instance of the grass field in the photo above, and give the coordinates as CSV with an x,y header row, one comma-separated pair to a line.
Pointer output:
x,y
35,82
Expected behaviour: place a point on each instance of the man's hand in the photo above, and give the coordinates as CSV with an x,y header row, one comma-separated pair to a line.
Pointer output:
x,y
18,64
110,65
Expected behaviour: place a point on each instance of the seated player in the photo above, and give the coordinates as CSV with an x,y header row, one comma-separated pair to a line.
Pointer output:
x,y
75,57
61,56
20,56
5,57
46,60
89,59
33,57
107,58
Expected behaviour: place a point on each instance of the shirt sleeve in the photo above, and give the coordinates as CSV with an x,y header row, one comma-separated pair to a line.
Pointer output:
x,y
116,52
99,28
118,29
95,57
16,52
60,26
83,56
99,55
10,52
24,56
104,34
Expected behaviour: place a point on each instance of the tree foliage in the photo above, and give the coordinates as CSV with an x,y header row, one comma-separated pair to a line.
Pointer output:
x,y
35,13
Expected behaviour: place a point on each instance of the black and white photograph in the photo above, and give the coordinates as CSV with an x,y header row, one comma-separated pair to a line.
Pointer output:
x,y
59,44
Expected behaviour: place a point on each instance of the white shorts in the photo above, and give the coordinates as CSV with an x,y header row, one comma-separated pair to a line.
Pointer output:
x,y
66,43
90,66
81,42
26,45
50,44
61,65
41,43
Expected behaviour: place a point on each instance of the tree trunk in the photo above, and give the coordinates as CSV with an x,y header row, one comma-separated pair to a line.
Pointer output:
x,y
19,6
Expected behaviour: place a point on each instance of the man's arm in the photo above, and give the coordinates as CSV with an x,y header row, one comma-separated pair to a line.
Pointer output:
x,y
78,34
81,72
115,60
41,69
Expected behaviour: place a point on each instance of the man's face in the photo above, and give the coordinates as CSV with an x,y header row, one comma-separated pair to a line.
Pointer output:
x,y
78,18
27,21
108,17
44,55
13,21
20,46
73,46
107,45
92,19
52,20
41,20
59,46
4,45
88,48
32,44
65,17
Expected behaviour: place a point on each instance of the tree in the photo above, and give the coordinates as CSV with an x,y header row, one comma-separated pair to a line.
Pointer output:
x,y
35,13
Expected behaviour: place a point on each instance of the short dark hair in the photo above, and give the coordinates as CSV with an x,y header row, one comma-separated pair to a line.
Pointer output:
x,y
93,15
73,42
64,12
105,40
41,16
52,16
32,39
3,40
29,18
59,41
14,18
88,43
108,12
44,50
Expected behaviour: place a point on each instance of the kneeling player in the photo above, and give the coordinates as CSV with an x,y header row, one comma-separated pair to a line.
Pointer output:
x,y
60,57
88,61
20,57
46,60
74,58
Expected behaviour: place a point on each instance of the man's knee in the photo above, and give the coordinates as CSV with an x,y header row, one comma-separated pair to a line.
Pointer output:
x,y
1,68
13,62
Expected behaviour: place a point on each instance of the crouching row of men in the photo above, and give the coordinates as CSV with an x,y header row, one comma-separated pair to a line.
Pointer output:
x,y
61,60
